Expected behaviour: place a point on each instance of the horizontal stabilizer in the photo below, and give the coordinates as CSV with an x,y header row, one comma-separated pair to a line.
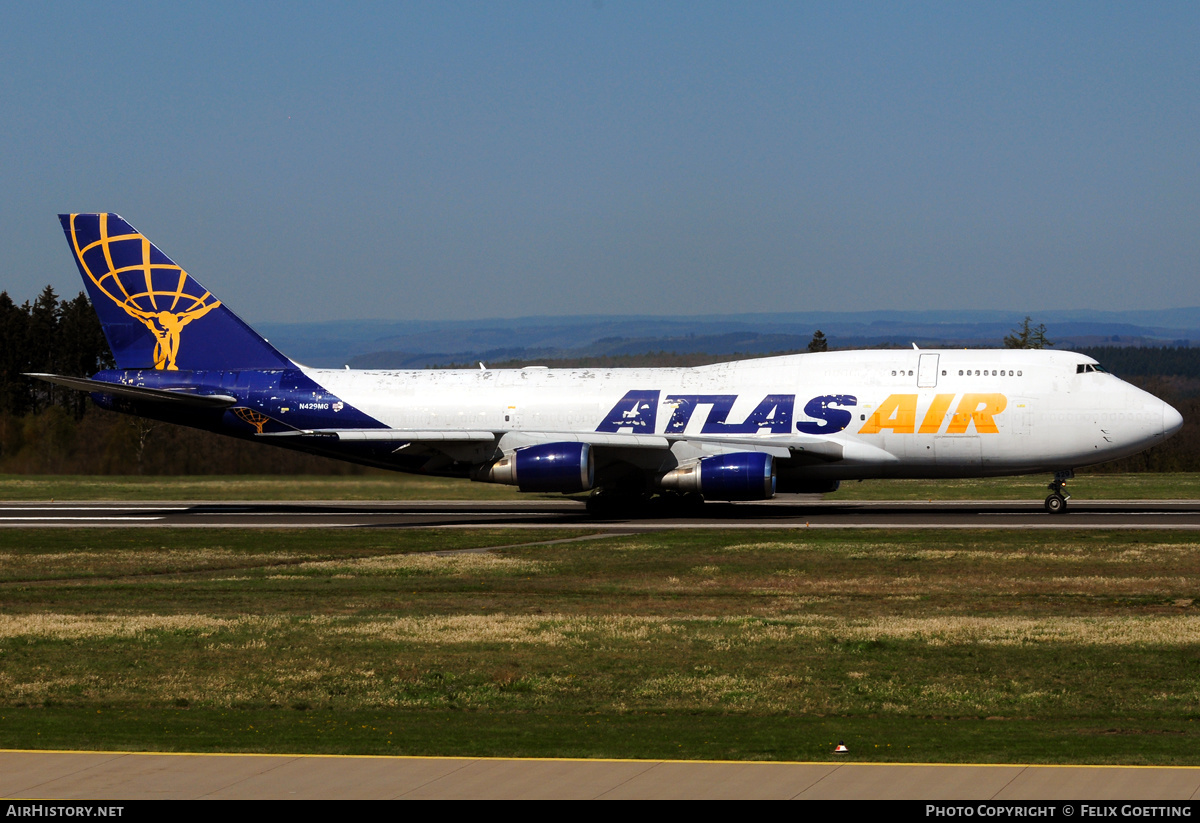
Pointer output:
x,y
183,397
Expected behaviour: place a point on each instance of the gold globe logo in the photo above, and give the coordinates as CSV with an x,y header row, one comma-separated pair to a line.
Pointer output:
x,y
159,295
255,419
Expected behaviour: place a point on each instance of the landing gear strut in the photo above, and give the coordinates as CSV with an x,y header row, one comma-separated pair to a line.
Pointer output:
x,y
1056,502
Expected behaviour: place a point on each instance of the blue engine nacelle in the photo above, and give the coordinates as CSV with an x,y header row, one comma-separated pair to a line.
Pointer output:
x,y
738,476
547,467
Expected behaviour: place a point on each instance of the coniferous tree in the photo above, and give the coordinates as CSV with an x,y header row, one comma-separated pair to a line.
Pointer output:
x,y
82,350
41,346
14,389
1027,336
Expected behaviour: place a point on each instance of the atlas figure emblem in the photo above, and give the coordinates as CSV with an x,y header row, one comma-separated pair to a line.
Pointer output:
x,y
165,326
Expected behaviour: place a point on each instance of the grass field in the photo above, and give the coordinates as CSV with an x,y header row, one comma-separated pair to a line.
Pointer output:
x,y
391,486
1079,647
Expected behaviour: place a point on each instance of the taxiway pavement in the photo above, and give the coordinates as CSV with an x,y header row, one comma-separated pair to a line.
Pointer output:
x,y
159,776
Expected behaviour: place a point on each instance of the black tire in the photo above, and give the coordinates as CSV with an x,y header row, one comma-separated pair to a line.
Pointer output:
x,y
1056,504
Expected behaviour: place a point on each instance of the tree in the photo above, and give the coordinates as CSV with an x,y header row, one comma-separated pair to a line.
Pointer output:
x,y
1027,336
52,336
818,342
41,344
14,331
81,349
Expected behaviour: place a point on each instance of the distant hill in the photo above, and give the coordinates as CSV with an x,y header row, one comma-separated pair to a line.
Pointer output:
x,y
420,344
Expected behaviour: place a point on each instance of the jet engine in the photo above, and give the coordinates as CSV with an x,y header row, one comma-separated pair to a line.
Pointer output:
x,y
546,467
738,476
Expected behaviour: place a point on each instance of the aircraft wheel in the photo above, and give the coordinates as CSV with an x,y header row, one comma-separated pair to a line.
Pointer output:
x,y
1056,504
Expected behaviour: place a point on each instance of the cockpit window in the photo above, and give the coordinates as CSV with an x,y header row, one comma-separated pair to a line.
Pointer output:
x,y
1083,368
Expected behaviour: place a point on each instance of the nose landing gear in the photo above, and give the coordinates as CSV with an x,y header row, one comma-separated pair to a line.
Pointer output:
x,y
1056,501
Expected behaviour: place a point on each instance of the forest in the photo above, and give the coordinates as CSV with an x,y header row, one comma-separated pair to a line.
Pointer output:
x,y
45,429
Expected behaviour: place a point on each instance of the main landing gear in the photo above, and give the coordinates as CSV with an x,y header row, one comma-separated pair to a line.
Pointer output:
x,y
620,506
1056,501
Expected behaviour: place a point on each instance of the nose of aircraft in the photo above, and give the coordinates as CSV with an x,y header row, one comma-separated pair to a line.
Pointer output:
x,y
1172,420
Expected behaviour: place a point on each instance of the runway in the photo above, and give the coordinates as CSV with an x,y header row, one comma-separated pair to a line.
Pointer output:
x,y
785,513
105,776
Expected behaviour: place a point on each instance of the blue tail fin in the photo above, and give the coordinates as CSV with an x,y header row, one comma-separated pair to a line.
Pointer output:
x,y
153,313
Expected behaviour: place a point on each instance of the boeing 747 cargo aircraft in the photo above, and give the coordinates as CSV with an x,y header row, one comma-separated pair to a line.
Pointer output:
x,y
745,430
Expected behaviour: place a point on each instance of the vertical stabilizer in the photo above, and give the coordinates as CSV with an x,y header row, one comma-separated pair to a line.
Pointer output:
x,y
154,314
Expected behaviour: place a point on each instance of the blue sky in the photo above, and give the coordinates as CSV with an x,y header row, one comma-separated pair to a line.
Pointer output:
x,y
462,160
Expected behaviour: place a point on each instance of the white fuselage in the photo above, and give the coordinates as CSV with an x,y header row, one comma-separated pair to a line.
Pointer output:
x,y
891,413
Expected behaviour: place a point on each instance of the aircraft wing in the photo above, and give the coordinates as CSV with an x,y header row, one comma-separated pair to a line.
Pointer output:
x,y
183,397
477,436
780,446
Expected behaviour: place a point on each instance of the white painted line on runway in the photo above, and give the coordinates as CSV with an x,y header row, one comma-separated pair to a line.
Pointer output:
x,y
35,519
375,513
88,524
69,508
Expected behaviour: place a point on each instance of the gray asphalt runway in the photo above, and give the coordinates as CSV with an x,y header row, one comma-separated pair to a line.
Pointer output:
x,y
124,776
784,513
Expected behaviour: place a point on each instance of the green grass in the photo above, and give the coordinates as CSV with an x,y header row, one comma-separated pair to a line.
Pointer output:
x,y
412,487
914,646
